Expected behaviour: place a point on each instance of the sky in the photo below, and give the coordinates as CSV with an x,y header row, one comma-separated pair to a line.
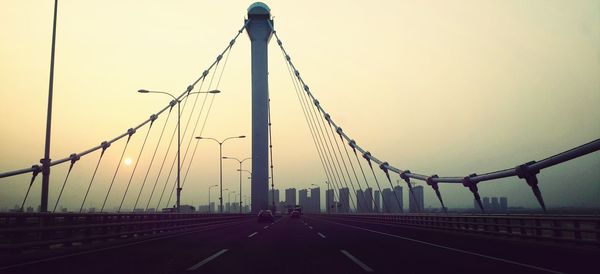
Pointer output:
x,y
436,87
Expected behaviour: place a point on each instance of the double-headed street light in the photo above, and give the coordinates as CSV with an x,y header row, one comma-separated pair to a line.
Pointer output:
x,y
209,196
178,102
221,163
241,162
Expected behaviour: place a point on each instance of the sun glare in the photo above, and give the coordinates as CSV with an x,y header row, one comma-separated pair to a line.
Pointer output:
x,y
127,161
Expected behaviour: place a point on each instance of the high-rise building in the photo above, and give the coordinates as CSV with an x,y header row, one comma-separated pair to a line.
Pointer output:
x,y
368,205
270,198
390,203
303,200
400,201
315,199
503,204
377,199
344,196
361,201
329,201
290,197
486,203
495,205
416,199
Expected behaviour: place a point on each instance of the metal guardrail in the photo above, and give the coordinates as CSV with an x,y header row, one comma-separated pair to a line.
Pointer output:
x,y
19,231
579,229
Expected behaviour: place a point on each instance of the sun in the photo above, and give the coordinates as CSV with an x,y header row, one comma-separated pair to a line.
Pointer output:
x,y
127,161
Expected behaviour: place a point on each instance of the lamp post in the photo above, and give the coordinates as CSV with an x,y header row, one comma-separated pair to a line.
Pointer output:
x,y
178,102
227,189
241,162
209,196
221,163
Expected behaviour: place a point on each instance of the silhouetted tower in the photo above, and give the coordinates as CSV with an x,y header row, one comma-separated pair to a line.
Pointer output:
x,y
259,29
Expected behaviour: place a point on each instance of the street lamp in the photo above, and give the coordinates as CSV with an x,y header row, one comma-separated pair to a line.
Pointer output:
x,y
240,161
209,196
178,101
220,163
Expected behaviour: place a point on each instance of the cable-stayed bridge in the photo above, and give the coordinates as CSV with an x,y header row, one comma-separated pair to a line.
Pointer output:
x,y
128,233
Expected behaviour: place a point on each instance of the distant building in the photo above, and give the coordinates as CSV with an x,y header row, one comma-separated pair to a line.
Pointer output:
x,y
503,204
365,200
377,199
400,201
329,201
344,202
290,197
315,199
390,203
303,200
495,206
486,203
416,199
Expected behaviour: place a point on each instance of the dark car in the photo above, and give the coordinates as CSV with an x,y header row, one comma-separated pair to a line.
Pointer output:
x,y
265,216
295,214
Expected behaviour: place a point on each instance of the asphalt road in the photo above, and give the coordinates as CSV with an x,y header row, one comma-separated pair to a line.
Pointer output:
x,y
313,244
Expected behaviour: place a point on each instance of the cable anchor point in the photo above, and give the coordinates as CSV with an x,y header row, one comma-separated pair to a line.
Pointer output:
x,y
524,171
472,185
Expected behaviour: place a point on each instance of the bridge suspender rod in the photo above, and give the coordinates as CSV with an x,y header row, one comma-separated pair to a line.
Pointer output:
x,y
152,161
137,161
104,145
352,144
271,154
36,170
131,132
74,158
194,129
376,181
339,130
212,99
311,126
343,161
387,175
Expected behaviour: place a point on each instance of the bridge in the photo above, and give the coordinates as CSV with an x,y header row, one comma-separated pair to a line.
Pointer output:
x,y
133,214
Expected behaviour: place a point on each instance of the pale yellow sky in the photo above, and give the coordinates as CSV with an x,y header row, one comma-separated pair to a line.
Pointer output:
x,y
447,87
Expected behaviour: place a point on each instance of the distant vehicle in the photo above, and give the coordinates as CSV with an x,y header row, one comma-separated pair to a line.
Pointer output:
x,y
295,214
265,216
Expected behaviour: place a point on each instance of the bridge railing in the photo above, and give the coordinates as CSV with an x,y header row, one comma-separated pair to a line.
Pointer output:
x,y
19,231
579,229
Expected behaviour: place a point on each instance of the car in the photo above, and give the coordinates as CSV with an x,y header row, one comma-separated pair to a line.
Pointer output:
x,y
265,216
295,214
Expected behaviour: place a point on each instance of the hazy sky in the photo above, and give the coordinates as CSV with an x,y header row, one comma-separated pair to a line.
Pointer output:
x,y
437,87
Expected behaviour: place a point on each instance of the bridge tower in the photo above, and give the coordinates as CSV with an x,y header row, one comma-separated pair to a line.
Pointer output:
x,y
260,31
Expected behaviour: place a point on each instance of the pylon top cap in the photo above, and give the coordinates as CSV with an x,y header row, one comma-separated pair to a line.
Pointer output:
x,y
259,8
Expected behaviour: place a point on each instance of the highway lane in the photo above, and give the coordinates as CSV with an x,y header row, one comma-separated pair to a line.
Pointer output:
x,y
168,255
392,248
315,244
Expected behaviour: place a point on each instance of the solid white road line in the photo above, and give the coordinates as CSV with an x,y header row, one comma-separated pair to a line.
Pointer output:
x,y
322,236
250,236
205,261
453,249
357,261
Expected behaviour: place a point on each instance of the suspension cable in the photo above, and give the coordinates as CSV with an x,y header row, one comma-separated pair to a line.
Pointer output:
x,y
104,145
311,126
116,170
137,161
271,154
152,161
205,119
36,170
74,158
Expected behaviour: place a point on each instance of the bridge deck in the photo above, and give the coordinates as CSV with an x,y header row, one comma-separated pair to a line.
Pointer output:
x,y
313,244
